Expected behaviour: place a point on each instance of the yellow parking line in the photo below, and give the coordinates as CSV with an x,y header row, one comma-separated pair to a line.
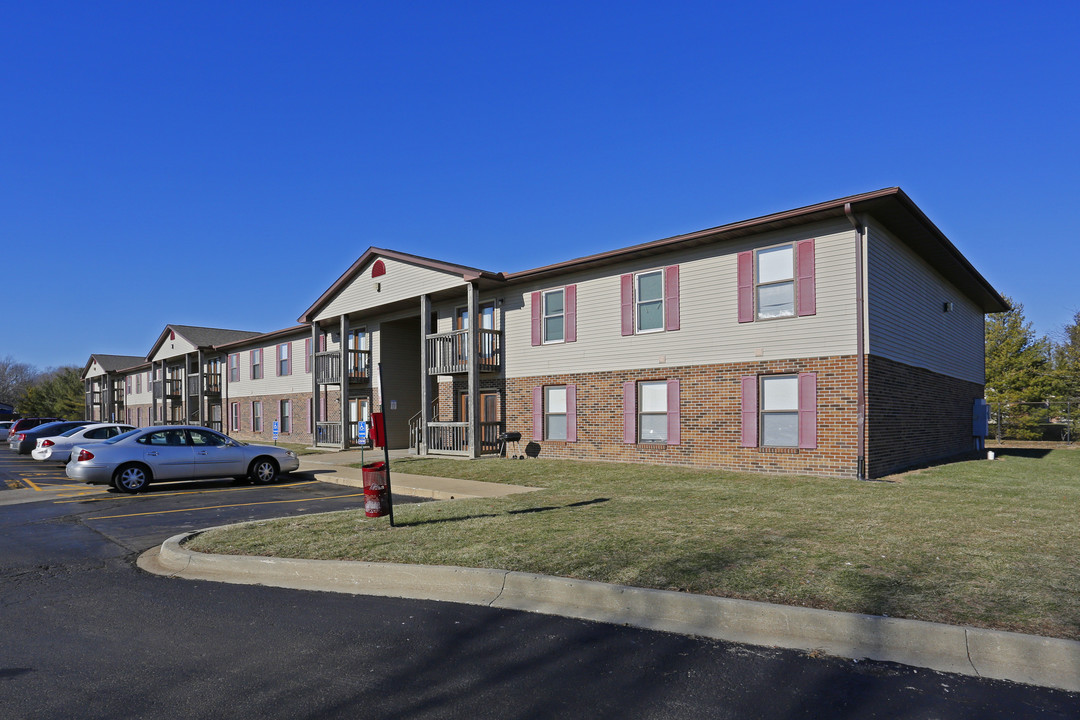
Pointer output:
x,y
196,492
221,507
31,483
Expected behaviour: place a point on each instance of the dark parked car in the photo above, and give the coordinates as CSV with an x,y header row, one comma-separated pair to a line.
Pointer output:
x,y
27,423
23,441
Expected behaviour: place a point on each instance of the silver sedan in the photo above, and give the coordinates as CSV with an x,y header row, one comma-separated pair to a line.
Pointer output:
x,y
131,461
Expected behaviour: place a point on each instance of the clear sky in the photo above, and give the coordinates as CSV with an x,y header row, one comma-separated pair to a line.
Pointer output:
x,y
222,163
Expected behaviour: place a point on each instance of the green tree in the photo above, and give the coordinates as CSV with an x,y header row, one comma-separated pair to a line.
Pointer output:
x,y
57,393
1067,359
1018,370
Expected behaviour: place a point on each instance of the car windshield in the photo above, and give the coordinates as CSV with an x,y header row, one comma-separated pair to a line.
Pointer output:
x,y
117,438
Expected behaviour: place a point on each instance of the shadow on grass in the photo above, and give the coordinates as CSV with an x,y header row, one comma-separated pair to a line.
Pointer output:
x,y
546,508
1031,453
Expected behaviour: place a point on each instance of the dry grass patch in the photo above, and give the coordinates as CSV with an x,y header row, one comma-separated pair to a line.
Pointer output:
x,y
991,544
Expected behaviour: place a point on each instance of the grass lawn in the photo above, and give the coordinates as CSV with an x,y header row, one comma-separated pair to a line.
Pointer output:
x,y
991,544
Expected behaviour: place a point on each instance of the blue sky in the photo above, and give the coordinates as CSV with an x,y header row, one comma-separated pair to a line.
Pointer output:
x,y
221,164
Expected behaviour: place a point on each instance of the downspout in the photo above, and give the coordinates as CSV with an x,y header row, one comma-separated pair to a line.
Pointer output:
x,y
860,349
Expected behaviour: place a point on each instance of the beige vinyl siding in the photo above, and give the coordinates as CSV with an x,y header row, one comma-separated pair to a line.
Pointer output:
x,y
402,281
905,300
94,371
139,398
270,383
173,349
709,328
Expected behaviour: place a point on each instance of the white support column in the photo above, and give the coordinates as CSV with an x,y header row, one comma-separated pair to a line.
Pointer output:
x,y
425,379
474,371
316,406
344,350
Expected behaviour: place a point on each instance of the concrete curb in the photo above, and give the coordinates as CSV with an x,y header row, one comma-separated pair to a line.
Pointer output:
x,y
1030,659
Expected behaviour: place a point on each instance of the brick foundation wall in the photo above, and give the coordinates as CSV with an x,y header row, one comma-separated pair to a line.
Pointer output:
x,y
710,418
271,409
915,416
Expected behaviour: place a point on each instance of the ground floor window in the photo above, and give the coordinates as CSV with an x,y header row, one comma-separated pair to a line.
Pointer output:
x,y
256,417
651,412
234,416
780,411
286,416
555,412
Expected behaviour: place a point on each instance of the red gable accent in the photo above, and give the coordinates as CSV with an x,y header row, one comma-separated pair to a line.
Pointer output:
x,y
378,268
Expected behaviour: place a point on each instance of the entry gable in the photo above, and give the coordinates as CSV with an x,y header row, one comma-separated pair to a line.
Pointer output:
x,y
382,277
177,340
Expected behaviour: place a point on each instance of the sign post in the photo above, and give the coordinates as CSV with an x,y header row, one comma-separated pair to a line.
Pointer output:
x,y
275,432
378,426
361,438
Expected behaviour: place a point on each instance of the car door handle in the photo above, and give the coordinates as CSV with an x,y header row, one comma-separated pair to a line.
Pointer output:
x,y
202,452
152,453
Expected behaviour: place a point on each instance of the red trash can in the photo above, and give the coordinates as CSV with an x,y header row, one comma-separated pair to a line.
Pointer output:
x,y
376,496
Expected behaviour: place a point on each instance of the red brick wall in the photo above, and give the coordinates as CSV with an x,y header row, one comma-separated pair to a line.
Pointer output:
x,y
915,416
271,410
710,414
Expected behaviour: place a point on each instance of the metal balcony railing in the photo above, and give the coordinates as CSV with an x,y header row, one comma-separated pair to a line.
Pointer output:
x,y
448,353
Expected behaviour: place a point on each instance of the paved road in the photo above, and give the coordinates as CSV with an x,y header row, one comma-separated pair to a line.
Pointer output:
x,y
83,633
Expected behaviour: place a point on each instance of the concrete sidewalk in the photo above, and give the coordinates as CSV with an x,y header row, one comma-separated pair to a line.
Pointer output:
x,y
334,467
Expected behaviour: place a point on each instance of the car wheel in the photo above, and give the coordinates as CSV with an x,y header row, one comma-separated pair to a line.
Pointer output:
x,y
131,478
263,471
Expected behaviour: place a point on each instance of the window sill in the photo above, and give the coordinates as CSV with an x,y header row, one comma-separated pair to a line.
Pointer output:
x,y
779,450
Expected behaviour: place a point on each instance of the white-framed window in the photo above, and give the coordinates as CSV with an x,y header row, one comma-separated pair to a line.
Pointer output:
x,y
555,412
283,359
779,411
554,316
234,368
256,417
285,415
256,364
234,416
653,412
774,284
649,301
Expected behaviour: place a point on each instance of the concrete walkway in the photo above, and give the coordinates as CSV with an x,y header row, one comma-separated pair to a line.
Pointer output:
x,y
1030,659
334,467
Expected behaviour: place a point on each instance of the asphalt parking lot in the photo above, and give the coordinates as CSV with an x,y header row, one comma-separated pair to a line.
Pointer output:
x,y
144,519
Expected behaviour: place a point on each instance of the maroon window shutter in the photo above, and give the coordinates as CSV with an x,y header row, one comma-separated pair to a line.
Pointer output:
x,y
674,416
808,410
571,413
749,412
251,359
746,287
307,355
629,418
288,360
806,301
627,287
671,297
277,360
538,413
570,297
537,311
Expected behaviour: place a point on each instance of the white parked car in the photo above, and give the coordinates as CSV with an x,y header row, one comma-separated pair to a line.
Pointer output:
x,y
57,448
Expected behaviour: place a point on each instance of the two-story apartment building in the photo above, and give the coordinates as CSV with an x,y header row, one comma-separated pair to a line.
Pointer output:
x,y
844,338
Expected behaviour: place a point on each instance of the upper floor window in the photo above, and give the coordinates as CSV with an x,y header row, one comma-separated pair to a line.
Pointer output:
x,y
284,359
774,287
256,364
234,367
777,282
554,311
554,316
650,301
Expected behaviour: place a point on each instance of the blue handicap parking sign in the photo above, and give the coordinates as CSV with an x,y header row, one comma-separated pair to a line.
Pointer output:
x,y
361,432
275,429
